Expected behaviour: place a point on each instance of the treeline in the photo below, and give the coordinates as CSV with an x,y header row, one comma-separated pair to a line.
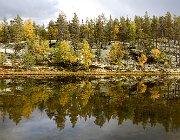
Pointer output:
x,y
96,31
142,31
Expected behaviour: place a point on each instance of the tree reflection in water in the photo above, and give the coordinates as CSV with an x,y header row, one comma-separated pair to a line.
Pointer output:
x,y
142,100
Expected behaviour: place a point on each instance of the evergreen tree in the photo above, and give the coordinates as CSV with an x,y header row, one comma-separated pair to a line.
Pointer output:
x,y
17,34
168,26
109,30
28,60
99,30
18,29
52,30
139,31
147,26
62,26
5,31
132,33
84,31
155,29
123,29
91,36
42,33
146,31
2,59
116,28
176,28
75,31
162,27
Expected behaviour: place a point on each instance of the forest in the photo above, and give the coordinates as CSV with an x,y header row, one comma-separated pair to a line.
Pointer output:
x,y
81,45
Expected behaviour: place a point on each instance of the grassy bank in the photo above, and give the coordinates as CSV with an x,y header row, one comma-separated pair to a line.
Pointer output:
x,y
80,73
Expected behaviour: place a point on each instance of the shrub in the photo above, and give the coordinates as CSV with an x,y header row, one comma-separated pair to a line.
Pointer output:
x,y
2,59
116,54
142,59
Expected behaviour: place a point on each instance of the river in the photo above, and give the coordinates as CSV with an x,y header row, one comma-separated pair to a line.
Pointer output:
x,y
90,108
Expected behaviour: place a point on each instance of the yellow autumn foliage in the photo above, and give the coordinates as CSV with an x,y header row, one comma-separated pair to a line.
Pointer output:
x,y
142,59
65,53
28,29
116,54
116,31
87,92
64,99
87,54
155,95
156,53
0,27
27,109
142,87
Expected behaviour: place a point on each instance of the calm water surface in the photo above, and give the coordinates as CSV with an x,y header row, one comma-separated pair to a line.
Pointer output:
x,y
91,108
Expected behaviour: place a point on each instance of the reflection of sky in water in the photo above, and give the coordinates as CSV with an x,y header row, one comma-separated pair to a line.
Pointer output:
x,y
40,127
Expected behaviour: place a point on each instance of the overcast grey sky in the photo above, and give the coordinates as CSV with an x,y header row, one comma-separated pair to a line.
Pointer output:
x,y
42,11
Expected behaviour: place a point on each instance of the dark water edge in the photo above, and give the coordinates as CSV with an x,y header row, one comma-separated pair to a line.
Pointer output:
x,y
90,108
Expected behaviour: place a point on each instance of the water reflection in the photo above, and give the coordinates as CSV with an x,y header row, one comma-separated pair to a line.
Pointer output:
x,y
148,100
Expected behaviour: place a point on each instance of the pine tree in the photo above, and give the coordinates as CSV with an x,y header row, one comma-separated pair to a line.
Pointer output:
x,y
17,36
28,60
84,31
176,28
168,26
91,36
155,28
5,31
147,31
2,59
99,30
52,30
62,26
109,30
147,26
75,31
139,31
42,32
123,29
132,33
18,29
162,27
116,28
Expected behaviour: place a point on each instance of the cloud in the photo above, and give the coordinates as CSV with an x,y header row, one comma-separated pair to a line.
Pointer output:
x,y
42,11
83,8
139,7
38,10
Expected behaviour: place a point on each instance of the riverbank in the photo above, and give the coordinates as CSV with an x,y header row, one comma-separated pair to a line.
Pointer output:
x,y
80,73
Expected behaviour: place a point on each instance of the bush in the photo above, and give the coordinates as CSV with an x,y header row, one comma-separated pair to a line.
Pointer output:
x,y
142,59
65,54
28,60
160,57
116,54
2,59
